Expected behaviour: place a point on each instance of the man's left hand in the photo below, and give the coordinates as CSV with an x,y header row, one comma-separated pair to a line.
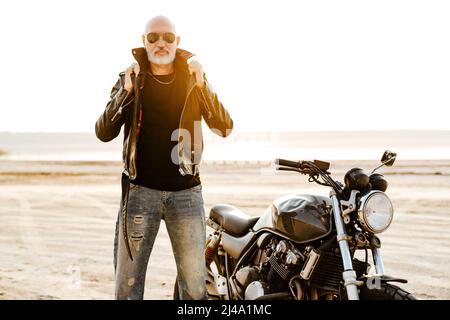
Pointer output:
x,y
195,67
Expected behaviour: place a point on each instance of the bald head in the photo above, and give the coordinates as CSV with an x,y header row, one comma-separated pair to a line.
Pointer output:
x,y
160,24
160,40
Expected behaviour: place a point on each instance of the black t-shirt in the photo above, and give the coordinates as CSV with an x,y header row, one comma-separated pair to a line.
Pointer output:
x,y
162,104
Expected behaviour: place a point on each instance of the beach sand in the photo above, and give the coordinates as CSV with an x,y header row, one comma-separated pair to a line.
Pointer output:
x,y
58,219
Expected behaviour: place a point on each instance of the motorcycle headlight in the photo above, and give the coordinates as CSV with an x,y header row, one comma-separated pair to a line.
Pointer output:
x,y
375,212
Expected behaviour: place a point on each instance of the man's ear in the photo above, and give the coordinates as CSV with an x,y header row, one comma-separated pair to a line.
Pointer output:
x,y
143,40
178,40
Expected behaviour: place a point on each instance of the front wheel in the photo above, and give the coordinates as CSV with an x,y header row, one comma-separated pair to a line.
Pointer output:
x,y
386,292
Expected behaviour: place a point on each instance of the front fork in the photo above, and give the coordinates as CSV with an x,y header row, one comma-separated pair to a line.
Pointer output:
x,y
379,266
349,275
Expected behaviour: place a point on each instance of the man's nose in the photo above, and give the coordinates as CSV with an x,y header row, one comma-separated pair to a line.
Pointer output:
x,y
160,42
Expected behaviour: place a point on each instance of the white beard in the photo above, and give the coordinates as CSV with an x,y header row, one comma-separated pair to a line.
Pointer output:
x,y
165,59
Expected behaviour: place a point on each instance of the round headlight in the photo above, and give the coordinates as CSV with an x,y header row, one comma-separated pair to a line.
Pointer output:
x,y
375,212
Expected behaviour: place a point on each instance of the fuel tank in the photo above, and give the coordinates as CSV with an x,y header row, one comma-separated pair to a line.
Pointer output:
x,y
300,217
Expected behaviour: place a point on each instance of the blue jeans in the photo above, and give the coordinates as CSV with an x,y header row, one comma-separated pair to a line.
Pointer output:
x,y
184,216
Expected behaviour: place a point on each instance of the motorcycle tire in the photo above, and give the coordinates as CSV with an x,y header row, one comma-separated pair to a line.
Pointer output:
x,y
386,292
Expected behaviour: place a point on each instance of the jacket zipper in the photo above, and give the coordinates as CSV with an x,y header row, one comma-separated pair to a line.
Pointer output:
x,y
185,102
119,112
181,118
184,106
206,104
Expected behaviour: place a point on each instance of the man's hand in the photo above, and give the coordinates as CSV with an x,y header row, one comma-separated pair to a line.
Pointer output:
x,y
195,67
134,68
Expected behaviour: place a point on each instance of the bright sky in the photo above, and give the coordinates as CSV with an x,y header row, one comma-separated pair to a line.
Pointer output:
x,y
276,65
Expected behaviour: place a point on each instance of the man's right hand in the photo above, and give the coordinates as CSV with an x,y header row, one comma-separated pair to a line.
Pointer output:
x,y
132,69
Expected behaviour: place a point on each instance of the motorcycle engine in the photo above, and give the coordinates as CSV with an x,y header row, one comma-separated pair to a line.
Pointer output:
x,y
273,266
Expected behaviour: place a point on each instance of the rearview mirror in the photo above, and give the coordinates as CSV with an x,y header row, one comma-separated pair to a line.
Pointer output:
x,y
388,158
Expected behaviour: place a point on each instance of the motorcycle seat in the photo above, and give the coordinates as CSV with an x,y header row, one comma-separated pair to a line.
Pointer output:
x,y
232,219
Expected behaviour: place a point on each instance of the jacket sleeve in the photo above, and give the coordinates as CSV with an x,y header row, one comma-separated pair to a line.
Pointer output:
x,y
216,116
111,120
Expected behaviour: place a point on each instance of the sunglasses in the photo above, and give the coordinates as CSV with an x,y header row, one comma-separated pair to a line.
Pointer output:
x,y
168,37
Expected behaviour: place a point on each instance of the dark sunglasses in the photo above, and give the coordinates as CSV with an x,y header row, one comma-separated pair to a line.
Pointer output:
x,y
168,37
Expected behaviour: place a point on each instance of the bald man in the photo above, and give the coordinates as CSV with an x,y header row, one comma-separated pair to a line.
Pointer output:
x,y
161,100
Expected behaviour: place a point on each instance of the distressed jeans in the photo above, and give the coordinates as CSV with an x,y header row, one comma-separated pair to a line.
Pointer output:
x,y
184,216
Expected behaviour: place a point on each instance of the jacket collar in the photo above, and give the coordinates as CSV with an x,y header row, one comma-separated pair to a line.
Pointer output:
x,y
181,57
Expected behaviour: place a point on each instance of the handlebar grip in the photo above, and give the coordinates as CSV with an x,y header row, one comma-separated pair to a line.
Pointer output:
x,y
288,163
287,169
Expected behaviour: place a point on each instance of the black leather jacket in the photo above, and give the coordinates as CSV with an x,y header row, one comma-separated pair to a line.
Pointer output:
x,y
125,108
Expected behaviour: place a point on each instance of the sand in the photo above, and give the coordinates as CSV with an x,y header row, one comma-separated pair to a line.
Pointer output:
x,y
58,218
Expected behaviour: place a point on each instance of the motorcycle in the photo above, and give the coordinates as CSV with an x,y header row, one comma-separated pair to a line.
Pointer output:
x,y
303,247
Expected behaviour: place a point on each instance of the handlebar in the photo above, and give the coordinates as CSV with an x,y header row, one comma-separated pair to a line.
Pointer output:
x,y
288,163
322,165
314,169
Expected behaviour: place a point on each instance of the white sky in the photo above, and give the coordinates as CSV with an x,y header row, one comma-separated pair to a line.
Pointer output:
x,y
276,65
